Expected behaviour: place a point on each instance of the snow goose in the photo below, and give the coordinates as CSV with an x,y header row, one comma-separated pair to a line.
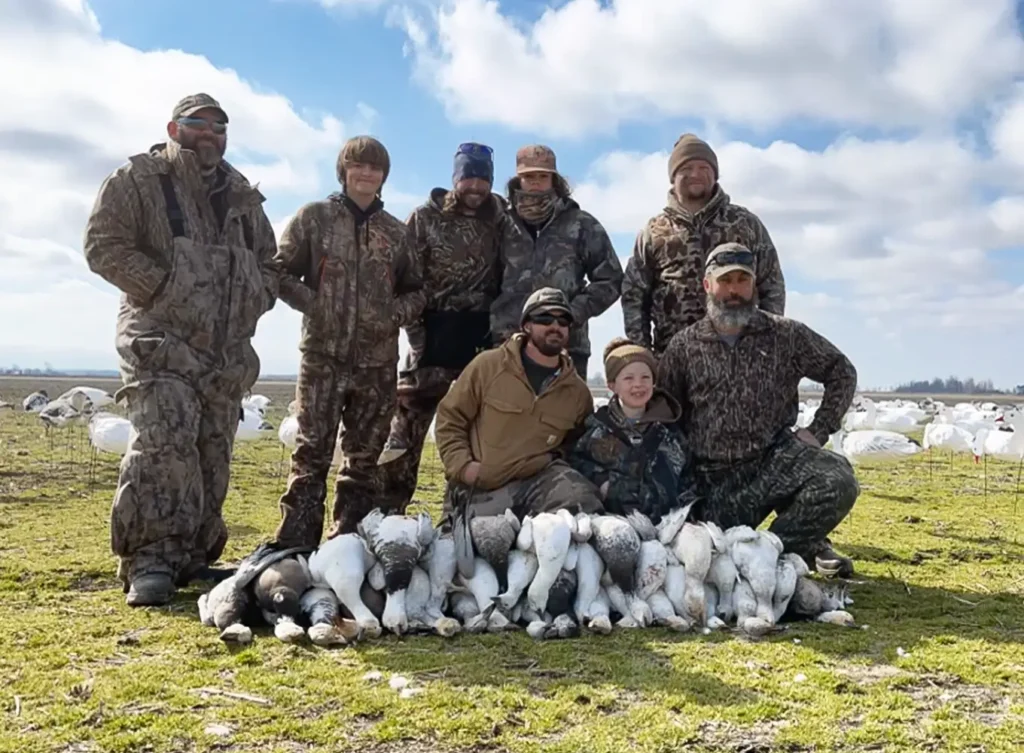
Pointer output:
x,y
874,445
341,564
398,542
326,626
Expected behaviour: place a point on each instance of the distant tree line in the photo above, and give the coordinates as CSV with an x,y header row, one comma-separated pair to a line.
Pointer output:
x,y
951,386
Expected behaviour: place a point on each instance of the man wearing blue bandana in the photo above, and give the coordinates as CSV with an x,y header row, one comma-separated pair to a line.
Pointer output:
x,y
457,239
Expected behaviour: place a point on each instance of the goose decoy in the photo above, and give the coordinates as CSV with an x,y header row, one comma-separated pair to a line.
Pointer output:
x,y
227,605
36,401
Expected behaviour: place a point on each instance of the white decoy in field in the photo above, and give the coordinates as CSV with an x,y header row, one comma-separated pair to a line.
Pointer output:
x,y
111,433
82,397
251,425
36,401
256,402
873,445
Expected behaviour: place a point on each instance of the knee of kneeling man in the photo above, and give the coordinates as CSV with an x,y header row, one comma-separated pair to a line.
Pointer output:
x,y
844,482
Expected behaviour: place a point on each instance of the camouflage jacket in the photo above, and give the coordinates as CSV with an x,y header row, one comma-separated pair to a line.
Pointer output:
x,y
647,464
355,279
570,249
664,278
459,254
208,292
738,399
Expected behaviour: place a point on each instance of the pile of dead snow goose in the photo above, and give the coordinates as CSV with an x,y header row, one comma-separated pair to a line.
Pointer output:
x,y
550,573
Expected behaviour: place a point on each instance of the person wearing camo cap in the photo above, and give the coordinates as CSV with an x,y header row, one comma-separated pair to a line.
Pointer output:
x,y
550,241
736,373
183,235
506,426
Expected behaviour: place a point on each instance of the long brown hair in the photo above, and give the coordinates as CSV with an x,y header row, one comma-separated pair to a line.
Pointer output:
x,y
364,149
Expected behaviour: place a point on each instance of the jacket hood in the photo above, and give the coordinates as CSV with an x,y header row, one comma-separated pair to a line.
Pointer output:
x,y
438,202
662,408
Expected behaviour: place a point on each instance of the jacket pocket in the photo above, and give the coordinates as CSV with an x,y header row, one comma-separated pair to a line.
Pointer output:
x,y
499,422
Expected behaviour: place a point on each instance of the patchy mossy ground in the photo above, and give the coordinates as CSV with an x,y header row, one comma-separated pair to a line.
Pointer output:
x,y
939,666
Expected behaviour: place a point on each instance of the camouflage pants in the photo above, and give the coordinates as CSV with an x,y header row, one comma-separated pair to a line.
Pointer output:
x,y
337,403
810,489
557,486
419,394
166,516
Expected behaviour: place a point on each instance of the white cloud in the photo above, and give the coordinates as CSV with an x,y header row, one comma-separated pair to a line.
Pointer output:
x,y
78,106
587,66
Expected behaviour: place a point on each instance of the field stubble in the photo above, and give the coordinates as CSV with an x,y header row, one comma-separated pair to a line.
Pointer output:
x,y
939,666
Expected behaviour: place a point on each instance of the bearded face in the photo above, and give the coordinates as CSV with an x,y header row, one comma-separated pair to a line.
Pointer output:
x,y
472,192
549,332
731,300
197,132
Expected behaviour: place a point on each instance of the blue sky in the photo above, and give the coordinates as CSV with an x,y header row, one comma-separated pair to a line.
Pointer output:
x,y
891,176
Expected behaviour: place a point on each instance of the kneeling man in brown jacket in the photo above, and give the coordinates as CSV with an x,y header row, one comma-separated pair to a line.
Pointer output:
x,y
510,418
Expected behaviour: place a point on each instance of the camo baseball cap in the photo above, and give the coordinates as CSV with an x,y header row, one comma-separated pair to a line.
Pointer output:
x,y
546,301
193,103
535,158
727,257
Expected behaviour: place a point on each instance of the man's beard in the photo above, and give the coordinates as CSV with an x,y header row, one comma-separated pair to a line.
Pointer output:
x,y
210,152
733,313
549,347
471,200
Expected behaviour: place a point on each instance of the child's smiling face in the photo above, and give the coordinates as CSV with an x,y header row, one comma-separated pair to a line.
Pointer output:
x,y
634,385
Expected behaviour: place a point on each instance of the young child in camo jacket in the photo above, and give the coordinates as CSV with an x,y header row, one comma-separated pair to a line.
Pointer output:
x,y
631,448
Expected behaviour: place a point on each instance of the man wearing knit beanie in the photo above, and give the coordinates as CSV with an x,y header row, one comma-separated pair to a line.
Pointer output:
x,y
662,290
457,239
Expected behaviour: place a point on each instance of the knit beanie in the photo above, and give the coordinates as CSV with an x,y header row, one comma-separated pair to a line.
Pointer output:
x,y
620,353
477,164
690,147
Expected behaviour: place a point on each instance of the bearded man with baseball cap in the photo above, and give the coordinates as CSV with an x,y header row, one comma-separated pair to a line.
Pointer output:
x,y
505,427
661,289
550,241
183,235
736,374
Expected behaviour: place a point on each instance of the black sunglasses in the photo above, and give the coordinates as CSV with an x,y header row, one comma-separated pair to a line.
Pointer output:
x,y
725,258
547,320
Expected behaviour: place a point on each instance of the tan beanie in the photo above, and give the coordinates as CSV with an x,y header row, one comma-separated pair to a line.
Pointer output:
x,y
620,353
690,147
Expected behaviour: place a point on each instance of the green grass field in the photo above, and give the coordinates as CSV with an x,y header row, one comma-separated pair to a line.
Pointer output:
x,y
937,666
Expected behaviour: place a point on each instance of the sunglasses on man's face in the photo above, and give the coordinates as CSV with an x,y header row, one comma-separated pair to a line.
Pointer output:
x,y
474,149
725,258
200,124
546,320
